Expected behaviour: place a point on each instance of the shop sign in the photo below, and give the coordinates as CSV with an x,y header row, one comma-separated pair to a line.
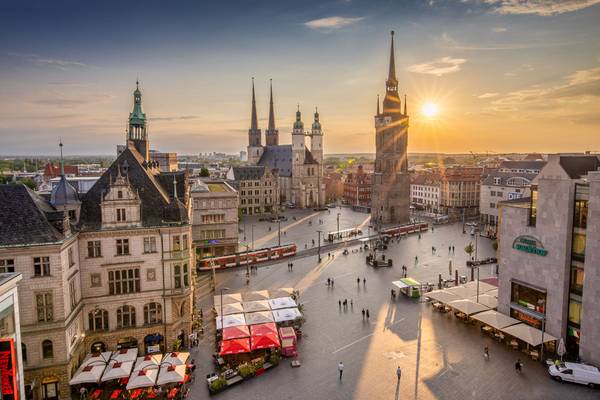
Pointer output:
x,y
529,244
8,370
514,195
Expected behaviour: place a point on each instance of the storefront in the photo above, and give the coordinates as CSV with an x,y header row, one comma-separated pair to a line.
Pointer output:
x,y
528,304
11,361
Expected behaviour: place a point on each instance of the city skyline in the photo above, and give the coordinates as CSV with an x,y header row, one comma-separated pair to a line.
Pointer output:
x,y
506,76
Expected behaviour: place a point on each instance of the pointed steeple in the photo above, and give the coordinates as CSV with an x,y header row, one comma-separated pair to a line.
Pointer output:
x,y
272,133
254,118
174,187
136,132
298,125
62,162
405,105
378,105
316,126
392,71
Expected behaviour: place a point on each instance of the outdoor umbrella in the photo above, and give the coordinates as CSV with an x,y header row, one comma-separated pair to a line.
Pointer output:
x,y
236,332
231,320
495,319
486,300
143,378
282,302
561,350
484,287
467,306
147,361
233,308
256,296
281,292
286,314
259,317
463,292
117,370
442,296
254,306
90,373
228,298
265,342
176,358
171,374
528,334
125,355
95,358
263,329
235,346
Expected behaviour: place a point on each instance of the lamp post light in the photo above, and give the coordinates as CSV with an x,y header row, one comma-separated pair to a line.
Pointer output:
x,y
278,231
252,236
225,288
338,226
319,249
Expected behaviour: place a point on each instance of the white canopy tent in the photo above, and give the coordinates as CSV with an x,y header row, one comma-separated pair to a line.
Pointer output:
x,y
256,295
148,361
528,334
117,370
442,296
282,302
486,300
281,292
228,298
125,355
231,320
89,373
255,306
171,374
96,358
143,378
176,358
261,317
286,314
495,319
468,307
228,309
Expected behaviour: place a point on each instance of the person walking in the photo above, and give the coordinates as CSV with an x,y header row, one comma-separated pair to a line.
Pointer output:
x,y
83,393
368,314
340,303
351,304
331,282
518,365
486,353
341,369
363,314
398,373
364,281
328,282
357,281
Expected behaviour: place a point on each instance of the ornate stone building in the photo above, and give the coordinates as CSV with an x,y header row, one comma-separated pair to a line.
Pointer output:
x,y
109,269
299,166
391,181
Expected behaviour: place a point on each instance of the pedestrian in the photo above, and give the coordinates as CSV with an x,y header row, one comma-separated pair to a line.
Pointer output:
x,y
292,266
452,249
305,246
449,249
83,393
328,281
192,366
357,281
518,365
364,281
363,314
340,303
486,353
201,314
368,315
351,304
398,373
331,282
284,233
269,229
341,369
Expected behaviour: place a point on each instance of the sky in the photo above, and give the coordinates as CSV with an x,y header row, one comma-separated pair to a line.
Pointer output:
x,y
506,75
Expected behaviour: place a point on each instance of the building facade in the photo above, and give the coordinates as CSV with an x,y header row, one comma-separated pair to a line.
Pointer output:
x,y
112,268
258,189
299,166
214,218
11,349
391,181
167,162
459,191
425,192
510,181
358,187
549,250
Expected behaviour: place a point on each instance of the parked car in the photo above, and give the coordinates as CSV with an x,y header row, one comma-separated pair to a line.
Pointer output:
x,y
574,372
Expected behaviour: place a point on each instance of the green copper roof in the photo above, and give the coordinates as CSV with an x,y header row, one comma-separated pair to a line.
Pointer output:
x,y
298,124
137,116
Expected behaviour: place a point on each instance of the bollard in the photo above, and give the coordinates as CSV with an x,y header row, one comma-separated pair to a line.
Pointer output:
x,y
455,277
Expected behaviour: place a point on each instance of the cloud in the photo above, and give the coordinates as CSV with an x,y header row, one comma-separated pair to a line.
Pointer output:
x,y
448,42
330,23
539,7
487,95
71,101
499,29
174,118
51,62
439,67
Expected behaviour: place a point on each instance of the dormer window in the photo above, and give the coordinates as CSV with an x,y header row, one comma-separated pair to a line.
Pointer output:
x,y
120,194
121,215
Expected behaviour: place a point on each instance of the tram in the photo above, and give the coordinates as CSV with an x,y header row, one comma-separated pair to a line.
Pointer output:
x,y
247,257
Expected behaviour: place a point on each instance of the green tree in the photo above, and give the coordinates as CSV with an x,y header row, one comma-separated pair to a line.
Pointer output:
x,y
470,249
204,172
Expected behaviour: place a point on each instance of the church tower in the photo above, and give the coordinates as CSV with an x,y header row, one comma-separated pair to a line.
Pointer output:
x,y
316,142
391,182
272,134
255,148
298,140
137,134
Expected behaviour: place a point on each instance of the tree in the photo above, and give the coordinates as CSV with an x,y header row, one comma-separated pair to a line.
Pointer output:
x,y
29,183
204,172
470,249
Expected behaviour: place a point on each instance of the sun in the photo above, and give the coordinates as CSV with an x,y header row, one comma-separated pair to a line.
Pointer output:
x,y
429,109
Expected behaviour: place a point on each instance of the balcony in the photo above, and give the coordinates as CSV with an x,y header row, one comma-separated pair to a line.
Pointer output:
x,y
176,254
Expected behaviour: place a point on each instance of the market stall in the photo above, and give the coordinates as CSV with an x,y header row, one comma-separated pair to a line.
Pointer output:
x,y
286,314
235,346
256,295
282,292
495,319
263,329
236,332
486,300
89,373
442,296
228,309
270,340
176,358
125,355
147,361
95,358
467,307
228,298
260,317
171,374
230,320
282,302
142,378
288,342
409,287
256,306
529,334
117,370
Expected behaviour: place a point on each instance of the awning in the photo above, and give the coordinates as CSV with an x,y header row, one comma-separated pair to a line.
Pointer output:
x,y
263,329
286,314
483,286
287,333
260,317
147,361
171,374
228,298
90,373
281,292
117,370
142,378
95,358
231,320
486,300
405,283
236,332
495,319
442,296
176,358
264,342
255,306
157,337
228,309
256,295
463,292
467,306
125,355
528,334
235,346
282,302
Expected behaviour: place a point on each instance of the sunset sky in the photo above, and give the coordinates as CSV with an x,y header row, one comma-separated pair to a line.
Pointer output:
x,y
506,75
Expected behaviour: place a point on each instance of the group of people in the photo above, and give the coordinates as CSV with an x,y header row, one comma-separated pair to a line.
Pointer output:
x,y
345,304
330,282
290,266
518,363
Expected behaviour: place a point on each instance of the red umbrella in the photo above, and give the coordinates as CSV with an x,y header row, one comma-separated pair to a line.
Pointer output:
x,y
265,341
236,332
264,329
235,346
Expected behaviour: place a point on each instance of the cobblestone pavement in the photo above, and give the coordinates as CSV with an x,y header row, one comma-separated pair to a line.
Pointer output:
x,y
440,357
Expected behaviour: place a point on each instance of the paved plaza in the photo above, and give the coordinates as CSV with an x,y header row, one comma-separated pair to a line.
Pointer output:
x,y
440,357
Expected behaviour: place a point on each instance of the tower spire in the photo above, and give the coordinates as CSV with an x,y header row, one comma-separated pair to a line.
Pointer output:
x,y
62,162
378,105
174,187
271,109
254,123
405,105
392,71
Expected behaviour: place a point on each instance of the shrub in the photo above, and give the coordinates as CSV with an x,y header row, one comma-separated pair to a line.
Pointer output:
x,y
274,359
246,370
218,384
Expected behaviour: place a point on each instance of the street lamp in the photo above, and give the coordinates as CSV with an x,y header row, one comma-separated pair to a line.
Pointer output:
x,y
252,236
338,225
225,288
279,230
319,250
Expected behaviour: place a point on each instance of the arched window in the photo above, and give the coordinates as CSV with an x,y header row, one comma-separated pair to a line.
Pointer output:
x,y
98,320
125,316
23,352
152,313
47,349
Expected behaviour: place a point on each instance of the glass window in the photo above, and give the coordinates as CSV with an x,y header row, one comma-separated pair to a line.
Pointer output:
x,y
121,214
177,276
150,244
125,316
7,265
176,243
580,214
41,266
44,307
533,206
124,281
23,352
574,312
47,349
152,313
577,276
578,246
70,256
122,247
186,279
94,248
98,320
528,297
73,294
